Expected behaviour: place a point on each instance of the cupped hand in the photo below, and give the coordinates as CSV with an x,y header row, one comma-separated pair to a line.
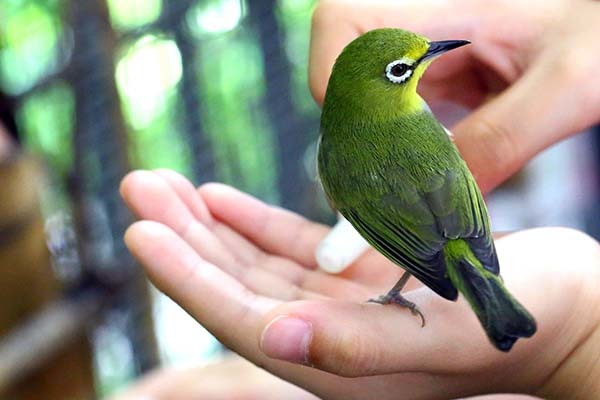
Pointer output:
x,y
246,272
215,382
230,378
530,72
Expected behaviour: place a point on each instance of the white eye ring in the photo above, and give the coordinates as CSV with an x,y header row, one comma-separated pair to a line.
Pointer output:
x,y
402,78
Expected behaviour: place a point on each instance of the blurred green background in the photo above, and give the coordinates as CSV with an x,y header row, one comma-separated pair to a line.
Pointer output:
x,y
215,89
223,58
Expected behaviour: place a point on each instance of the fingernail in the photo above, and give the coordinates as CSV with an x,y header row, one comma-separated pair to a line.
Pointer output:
x,y
287,338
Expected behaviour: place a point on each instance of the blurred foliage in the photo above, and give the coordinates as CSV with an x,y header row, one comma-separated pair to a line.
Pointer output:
x,y
238,128
46,118
131,14
34,36
113,361
29,36
147,74
224,57
295,17
213,17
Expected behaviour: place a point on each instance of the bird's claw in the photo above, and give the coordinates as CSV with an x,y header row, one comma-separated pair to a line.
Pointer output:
x,y
396,298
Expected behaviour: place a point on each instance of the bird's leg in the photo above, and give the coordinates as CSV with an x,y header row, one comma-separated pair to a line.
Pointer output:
x,y
394,296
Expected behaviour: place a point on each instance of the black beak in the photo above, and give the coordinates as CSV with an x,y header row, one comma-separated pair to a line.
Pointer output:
x,y
442,46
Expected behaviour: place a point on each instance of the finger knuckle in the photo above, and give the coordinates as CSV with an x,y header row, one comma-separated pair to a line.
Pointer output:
x,y
352,357
575,75
575,68
322,22
498,148
568,67
323,12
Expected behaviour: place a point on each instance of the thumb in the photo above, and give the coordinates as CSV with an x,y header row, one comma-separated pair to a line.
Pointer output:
x,y
550,102
353,340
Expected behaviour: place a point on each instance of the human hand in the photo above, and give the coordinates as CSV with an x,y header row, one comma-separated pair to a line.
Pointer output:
x,y
537,56
246,272
230,378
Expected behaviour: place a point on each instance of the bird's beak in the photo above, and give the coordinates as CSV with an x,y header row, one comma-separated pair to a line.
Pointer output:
x,y
442,46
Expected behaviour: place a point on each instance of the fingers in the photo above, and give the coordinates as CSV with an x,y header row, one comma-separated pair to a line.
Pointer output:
x,y
553,92
214,382
216,300
289,236
150,197
288,242
556,97
541,108
285,237
168,198
461,347
222,304
275,230
246,252
187,194
351,339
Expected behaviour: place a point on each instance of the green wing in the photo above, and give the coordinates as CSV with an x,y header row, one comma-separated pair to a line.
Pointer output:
x,y
412,227
460,213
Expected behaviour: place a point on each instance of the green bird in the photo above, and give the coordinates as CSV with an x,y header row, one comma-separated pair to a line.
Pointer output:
x,y
391,169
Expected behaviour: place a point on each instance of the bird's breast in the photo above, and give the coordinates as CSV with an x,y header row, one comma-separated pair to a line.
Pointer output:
x,y
367,160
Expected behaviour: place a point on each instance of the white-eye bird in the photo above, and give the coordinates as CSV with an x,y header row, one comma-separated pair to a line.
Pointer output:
x,y
389,167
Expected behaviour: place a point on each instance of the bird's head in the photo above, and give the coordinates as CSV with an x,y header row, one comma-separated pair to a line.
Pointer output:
x,y
380,70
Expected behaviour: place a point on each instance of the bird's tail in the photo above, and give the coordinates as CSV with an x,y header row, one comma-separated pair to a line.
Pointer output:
x,y
502,317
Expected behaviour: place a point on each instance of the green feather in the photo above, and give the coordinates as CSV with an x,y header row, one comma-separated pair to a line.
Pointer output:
x,y
390,168
502,317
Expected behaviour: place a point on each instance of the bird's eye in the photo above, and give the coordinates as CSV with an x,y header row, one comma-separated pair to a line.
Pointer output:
x,y
398,71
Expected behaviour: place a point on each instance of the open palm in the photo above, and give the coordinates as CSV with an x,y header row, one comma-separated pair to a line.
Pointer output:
x,y
246,271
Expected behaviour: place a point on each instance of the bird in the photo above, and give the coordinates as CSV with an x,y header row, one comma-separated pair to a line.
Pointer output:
x,y
393,171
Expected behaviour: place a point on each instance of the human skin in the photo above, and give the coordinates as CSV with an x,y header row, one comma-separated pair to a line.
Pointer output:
x,y
529,74
214,382
245,271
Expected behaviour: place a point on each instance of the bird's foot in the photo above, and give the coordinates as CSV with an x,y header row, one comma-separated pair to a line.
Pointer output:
x,y
396,298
